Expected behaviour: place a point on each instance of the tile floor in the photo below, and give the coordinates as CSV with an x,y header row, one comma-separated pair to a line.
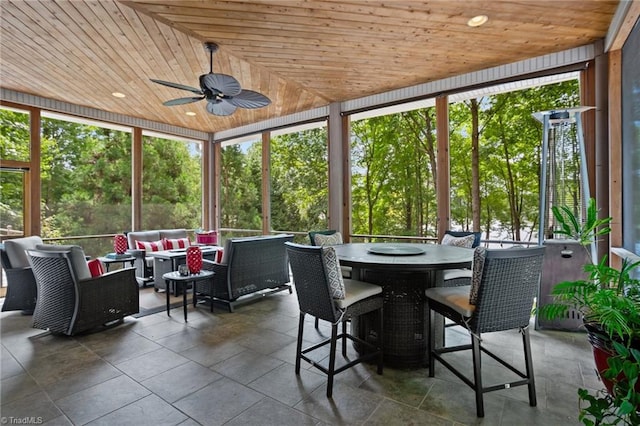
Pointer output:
x,y
238,369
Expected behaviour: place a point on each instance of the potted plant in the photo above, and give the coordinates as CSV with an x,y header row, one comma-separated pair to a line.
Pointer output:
x,y
609,301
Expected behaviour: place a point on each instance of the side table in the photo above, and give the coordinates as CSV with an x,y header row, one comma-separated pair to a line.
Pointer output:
x,y
107,261
182,281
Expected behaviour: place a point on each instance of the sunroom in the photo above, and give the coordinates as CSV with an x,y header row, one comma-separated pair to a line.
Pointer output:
x,y
90,151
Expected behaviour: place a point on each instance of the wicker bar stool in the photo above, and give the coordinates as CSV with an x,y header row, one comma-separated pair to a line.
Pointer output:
x,y
318,282
500,297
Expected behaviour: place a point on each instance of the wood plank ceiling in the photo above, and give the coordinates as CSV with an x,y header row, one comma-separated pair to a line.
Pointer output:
x,y
301,54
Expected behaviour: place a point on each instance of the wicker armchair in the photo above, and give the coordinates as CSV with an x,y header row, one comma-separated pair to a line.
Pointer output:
x,y
504,284
22,290
315,281
253,266
69,305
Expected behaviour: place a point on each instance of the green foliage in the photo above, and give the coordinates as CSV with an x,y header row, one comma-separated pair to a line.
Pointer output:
x,y
240,186
86,173
619,407
299,181
393,169
610,298
585,232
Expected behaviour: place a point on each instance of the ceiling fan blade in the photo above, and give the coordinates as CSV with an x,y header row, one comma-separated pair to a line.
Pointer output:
x,y
220,107
178,86
249,99
182,101
221,83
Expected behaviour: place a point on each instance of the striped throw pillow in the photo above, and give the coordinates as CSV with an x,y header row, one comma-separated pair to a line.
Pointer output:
x,y
178,243
150,245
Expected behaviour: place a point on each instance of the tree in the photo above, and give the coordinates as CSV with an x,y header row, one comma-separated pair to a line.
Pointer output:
x,y
299,181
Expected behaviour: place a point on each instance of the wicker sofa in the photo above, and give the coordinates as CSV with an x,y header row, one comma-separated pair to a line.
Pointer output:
x,y
250,268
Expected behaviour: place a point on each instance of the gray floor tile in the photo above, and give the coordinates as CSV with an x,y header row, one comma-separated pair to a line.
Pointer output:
x,y
165,328
119,344
395,413
406,386
266,341
348,406
246,366
284,385
238,368
456,401
151,364
16,387
96,401
77,380
181,381
208,354
148,411
33,406
9,366
268,412
218,402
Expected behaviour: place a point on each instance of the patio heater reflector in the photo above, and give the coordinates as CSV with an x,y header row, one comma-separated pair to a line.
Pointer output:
x,y
563,182
563,166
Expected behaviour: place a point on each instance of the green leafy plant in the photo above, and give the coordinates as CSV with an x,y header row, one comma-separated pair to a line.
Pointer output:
x,y
608,299
618,407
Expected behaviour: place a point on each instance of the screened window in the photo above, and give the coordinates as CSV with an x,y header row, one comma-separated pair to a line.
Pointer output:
x,y
631,140
299,180
241,187
171,182
86,180
393,159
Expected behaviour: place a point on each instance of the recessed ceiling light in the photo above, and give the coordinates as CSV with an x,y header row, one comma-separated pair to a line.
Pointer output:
x,y
118,94
190,113
476,21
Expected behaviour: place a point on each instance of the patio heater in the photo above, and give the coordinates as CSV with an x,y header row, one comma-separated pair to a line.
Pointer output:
x,y
563,182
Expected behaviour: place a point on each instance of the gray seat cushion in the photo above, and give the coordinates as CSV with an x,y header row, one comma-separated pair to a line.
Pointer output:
x,y
454,297
17,250
356,291
453,274
78,259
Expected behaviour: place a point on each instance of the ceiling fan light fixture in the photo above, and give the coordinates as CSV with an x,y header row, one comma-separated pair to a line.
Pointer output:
x,y
222,92
118,95
477,20
190,113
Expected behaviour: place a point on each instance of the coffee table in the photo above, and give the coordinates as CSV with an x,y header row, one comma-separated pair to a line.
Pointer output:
x,y
107,261
182,281
168,260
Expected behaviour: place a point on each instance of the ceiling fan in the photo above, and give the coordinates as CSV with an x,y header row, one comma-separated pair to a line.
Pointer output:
x,y
222,92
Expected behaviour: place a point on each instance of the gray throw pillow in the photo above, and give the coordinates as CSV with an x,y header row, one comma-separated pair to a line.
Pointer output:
x,y
466,241
328,240
479,255
334,273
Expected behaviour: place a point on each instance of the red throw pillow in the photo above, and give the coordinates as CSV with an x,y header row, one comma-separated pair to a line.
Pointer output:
x,y
95,267
178,243
150,245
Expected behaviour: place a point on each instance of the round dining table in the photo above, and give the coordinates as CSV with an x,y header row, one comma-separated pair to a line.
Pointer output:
x,y
404,271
